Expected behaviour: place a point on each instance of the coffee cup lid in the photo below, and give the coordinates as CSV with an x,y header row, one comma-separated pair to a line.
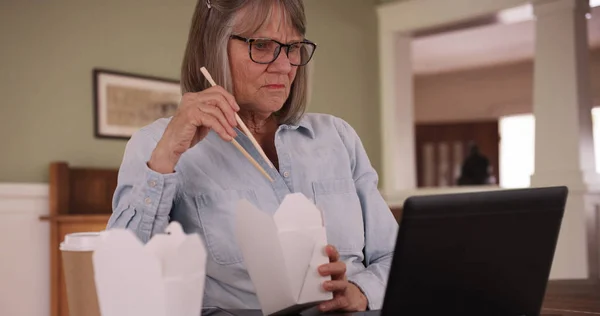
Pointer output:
x,y
80,241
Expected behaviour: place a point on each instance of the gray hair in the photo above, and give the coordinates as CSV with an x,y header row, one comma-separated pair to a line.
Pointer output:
x,y
212,25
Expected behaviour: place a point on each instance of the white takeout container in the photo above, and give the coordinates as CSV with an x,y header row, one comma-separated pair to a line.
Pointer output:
x,y
165,277
282,253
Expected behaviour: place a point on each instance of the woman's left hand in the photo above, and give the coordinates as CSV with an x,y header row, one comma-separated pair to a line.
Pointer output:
x,y
346,296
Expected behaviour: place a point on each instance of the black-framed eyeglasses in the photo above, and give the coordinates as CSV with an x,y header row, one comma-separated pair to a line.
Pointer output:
x,y
266,50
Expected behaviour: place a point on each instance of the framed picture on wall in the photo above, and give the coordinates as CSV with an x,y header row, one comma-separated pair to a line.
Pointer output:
x,y
124,102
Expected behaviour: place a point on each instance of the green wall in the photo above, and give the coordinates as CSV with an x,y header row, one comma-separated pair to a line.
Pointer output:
x,y
48,50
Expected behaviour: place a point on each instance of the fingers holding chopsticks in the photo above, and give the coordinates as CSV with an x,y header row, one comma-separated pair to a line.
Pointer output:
x,y
214,108
198,112
230,98
221,98
211,108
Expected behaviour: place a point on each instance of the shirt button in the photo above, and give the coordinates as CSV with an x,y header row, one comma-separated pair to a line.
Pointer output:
x,y
286,174
152,183
148,200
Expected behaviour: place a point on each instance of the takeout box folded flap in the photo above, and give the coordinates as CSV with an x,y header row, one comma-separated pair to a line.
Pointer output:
x,y
188,258
312,289
297,212
297,250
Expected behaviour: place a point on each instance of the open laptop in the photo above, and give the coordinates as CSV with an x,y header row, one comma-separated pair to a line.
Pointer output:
x,y
484,253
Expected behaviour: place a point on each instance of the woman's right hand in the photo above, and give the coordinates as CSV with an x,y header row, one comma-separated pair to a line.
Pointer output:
x,y
198,112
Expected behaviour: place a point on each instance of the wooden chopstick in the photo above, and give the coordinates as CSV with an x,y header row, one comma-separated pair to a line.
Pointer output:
x,y
235,143
240,122
252,160
253,140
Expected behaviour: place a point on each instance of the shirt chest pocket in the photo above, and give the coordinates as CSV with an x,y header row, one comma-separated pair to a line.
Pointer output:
x,y
342,213
216,211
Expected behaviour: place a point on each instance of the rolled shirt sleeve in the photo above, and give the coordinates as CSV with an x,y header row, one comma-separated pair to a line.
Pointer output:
x,y
143,198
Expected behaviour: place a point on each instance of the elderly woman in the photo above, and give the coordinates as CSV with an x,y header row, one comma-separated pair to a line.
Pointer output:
x,y
186,169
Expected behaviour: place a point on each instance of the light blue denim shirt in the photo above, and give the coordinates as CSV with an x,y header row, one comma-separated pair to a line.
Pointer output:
x,y
322,157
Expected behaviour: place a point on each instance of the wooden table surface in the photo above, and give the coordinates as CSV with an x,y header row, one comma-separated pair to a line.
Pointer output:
x,y
570,298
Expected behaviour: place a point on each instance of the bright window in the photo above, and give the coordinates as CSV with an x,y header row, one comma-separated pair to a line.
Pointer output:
x,y
596,130
517,139
516,150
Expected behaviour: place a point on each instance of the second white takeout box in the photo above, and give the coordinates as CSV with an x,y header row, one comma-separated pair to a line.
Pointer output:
x,y
282,253
162,278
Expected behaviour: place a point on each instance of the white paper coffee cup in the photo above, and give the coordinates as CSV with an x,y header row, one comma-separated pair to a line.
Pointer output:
x,y
78,270
80,241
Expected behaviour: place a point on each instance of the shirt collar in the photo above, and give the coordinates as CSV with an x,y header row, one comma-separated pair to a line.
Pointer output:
x,y
304,125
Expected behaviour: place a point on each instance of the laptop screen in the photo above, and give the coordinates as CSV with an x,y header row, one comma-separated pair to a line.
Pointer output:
x,y
485,253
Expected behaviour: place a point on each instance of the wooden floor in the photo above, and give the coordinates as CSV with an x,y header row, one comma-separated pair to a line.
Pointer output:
x,y
572,298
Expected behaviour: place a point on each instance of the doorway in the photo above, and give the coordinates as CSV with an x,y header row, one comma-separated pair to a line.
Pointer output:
x,y
442,148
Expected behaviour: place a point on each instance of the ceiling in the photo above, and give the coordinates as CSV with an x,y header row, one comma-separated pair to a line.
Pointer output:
x,y
484,45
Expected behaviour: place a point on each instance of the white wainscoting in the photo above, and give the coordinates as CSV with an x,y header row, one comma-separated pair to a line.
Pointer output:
x,y
24,250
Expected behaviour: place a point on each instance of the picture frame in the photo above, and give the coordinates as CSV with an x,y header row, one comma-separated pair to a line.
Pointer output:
x,y
125,102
